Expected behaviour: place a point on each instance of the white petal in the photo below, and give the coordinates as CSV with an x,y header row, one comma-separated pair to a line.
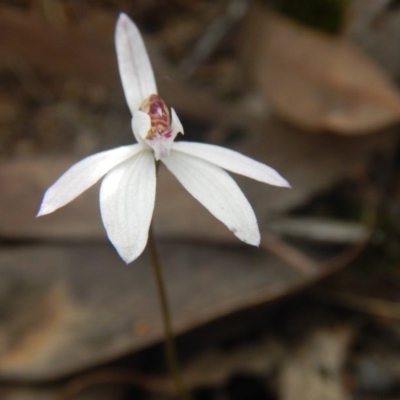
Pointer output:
x,y
175,124
133,62
232,161
127,196
161,146
83,175
218,192
141,125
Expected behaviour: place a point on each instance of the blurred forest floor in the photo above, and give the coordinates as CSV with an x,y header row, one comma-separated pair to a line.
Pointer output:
x,y
308,87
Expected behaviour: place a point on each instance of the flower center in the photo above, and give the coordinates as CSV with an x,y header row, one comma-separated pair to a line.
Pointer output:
x,y
160,118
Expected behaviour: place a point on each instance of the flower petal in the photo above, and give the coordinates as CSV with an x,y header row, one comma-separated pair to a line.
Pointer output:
x,y
232,161
141,125
83,175
127,196
133,62
175,124
218,192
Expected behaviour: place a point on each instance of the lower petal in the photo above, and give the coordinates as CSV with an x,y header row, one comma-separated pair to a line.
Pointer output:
x,y
127,196
82,175
232,161
218,192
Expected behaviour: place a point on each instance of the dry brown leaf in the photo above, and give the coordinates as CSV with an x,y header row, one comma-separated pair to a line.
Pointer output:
x,y
375,27
316,81
65,308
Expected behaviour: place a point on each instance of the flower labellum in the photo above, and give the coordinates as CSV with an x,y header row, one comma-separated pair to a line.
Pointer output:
x,y
128,189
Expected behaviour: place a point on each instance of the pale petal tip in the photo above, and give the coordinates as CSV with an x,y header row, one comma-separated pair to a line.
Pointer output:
x,y
124,27
278,180
248,236
254,241
127,260
284,183
44,210
123,19
127,255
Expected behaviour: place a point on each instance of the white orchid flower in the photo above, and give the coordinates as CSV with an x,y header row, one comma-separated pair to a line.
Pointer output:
x,y
128,189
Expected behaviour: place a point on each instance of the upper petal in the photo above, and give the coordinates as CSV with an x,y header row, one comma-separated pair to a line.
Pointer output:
x,y
218,192
232,161
133,62
127,196
83,175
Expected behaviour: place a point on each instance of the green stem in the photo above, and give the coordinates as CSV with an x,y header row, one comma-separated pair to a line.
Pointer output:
x,y
170,350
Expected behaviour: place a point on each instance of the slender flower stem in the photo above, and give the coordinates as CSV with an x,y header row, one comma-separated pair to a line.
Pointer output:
x,y
170,350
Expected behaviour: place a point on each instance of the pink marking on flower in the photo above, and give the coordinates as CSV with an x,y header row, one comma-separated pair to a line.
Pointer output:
x,y
159,115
